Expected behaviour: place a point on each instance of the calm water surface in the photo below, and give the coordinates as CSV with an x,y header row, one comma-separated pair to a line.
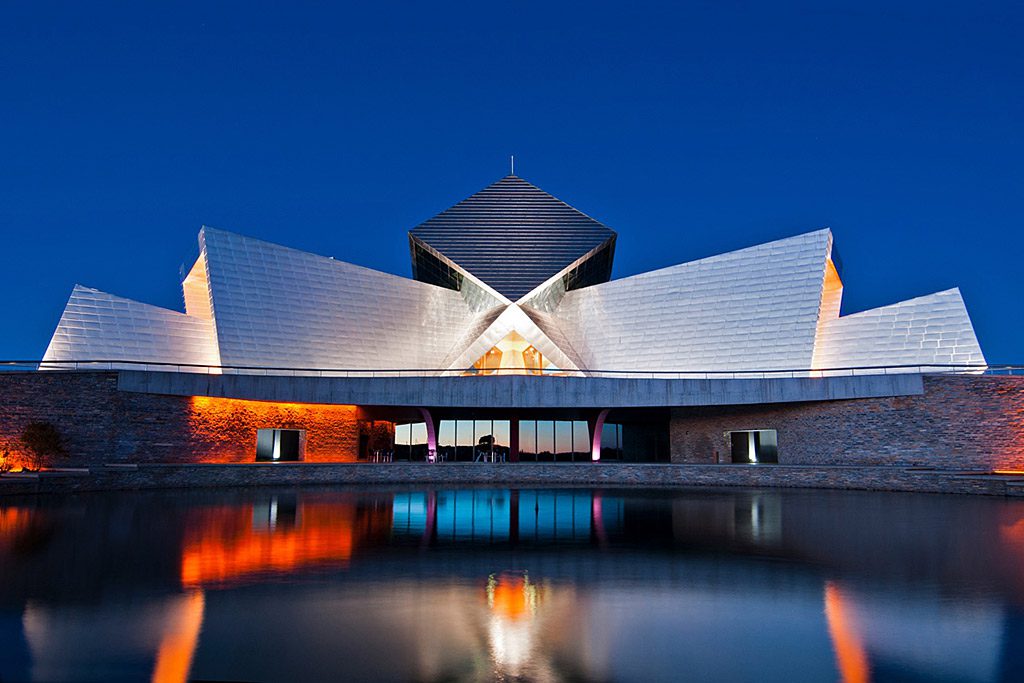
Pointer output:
x,y
580,585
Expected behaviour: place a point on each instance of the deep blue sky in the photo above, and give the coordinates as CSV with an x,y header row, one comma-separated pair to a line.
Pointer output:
x,y
690,128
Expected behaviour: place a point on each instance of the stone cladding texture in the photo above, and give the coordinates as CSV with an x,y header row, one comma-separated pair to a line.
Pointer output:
x,y
605,475
960,422
100,424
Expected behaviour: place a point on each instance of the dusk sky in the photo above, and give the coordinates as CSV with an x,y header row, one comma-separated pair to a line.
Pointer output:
x,y
689,128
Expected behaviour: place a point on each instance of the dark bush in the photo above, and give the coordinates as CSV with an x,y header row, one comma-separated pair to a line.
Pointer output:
x,y
43,444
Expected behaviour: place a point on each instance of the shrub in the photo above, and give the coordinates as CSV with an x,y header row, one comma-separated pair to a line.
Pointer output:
x,y
42,443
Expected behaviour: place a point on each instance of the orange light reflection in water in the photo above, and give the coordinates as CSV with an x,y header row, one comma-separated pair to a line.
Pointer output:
x,y
178,645
226,548
511,596
513,600
851,655
12,521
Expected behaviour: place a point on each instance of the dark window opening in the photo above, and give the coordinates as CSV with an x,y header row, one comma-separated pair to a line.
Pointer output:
x,y
280,445
593,271
755,446
426,267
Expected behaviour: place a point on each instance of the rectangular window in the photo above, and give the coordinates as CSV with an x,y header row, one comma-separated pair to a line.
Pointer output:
x,y
545,440
754,446
280,445
563,441
527,440
446,440
580,441
611,442
464,443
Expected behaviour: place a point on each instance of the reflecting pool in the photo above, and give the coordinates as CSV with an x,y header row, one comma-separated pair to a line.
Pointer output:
x,y
497,584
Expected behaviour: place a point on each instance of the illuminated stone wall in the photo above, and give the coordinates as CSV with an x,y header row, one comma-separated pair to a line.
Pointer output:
x,y
960,422
224,429
100,424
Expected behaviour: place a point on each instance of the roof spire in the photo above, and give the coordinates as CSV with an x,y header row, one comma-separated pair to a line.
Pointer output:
x,y
512,164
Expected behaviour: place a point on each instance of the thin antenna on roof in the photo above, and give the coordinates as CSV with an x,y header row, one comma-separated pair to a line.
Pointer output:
x,y
512,164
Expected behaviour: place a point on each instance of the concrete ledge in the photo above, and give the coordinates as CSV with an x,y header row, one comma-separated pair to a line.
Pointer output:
x,y
520,391
146,476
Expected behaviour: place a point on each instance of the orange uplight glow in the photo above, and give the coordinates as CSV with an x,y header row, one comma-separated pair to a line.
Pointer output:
x,y
227,549
178,645
828,308
851,655
224,429
11,461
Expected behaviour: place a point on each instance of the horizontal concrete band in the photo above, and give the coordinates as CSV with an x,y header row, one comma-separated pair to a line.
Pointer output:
x,y
521,391
153,476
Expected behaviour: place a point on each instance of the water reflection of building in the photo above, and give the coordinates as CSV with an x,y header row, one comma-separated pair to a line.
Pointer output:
x,y
136,637
277,535
918,635
685,572
513,516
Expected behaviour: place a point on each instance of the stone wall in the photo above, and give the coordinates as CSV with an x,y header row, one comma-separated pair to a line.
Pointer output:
x,y
100,424
960,422
81,406
604,475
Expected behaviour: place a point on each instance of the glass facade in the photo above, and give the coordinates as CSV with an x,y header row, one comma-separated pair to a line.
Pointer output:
x,y
513,355
593,271
490,441
554,441
426,267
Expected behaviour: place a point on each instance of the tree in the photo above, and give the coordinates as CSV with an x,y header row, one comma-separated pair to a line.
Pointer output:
x,y
42,443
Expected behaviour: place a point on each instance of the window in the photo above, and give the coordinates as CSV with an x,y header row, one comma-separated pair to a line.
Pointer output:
x,y
611,441
754,446
411,441
280,445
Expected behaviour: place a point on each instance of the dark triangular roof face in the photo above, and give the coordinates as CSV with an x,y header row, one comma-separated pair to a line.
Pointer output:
x,y
511,235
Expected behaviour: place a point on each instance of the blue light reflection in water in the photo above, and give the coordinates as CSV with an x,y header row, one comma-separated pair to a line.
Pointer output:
x,y
482,584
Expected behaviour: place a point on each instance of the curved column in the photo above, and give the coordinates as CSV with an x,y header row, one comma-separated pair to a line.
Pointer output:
x,y
596,427
428,419
513,438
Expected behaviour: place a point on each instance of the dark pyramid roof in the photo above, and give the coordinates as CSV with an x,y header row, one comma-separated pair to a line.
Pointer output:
x,y
511,235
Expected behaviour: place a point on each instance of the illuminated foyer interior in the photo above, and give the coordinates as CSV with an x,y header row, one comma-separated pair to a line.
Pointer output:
x,y
513,355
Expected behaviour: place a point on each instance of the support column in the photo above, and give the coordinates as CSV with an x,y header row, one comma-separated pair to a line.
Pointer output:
x,y
513,439
428,419
596,427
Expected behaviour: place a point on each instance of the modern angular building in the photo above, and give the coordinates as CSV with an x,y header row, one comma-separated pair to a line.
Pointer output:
x,y
512,341
512,280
